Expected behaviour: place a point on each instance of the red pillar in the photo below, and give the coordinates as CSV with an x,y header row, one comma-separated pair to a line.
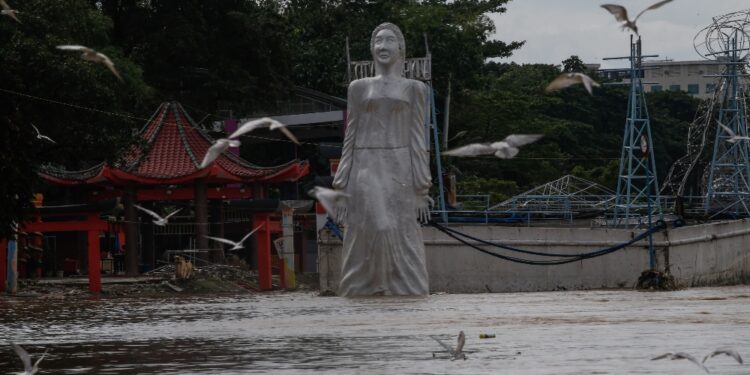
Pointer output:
x,y
263,241
95,278
3,263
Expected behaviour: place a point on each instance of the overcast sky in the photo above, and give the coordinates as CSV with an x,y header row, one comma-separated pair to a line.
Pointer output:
x,y
556,29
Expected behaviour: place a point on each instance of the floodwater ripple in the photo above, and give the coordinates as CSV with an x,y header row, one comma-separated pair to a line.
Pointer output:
x,y
581,332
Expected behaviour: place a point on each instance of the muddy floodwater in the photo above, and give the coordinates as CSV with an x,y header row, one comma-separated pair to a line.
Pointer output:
x,y
588,332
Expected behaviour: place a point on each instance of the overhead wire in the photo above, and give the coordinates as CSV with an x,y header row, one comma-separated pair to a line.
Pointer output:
x,y
207,113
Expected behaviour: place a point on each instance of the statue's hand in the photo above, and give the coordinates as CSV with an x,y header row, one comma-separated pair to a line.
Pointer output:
x,y
423,209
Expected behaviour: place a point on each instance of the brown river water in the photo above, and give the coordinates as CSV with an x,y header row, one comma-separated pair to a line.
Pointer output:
x,y
581,332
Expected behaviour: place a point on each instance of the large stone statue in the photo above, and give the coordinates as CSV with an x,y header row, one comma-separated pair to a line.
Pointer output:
x,y
385,170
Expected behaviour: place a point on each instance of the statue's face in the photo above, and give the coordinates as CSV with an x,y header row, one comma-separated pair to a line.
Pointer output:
x,y
386,47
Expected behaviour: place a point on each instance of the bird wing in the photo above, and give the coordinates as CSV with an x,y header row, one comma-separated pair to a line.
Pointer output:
x,y
25,357
588,83
213,152
727,129
46,138
75,48
445,346
106,61
4,5
327,197
562,81
655,6
250,126
36,364
146,210
518,140
12,14
461,342
682,355
38,133
665,355
730,352
288,133
474,149
223,240
458,135
172,213
619,11
250,234
506,152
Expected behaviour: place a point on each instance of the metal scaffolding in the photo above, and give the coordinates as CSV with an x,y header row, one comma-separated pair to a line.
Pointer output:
x,y
563,199
637,189
728,184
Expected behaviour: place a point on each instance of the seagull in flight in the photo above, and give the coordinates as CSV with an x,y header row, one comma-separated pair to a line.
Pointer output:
x,y
28,369
158,220
505,149
329,198
263,123
733,138
41,136
235,245
726,351
457,353
89,54
221,145
7,11
681,355
568,79
621,14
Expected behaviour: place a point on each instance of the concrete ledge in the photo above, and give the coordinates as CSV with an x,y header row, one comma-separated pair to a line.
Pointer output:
x,y
715,253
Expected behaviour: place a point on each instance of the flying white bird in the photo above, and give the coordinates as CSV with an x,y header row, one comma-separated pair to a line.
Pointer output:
x,y
733,138
263,123
28,369
621,14
727,351
235,245
221,145
41,136
681,355
505,149
329,198
89,54
568,79
454,353
7,11
158,220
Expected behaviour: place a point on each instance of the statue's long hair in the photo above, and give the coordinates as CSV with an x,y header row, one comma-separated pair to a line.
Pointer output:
x,y
401,46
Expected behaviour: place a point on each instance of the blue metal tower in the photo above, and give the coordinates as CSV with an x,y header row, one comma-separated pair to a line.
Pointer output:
x,y
637,188
728,184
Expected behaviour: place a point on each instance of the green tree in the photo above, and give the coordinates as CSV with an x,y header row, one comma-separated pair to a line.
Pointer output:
x,y
573,64
81,105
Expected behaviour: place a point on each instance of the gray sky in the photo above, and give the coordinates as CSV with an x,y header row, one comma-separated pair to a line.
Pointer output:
x,y
556,29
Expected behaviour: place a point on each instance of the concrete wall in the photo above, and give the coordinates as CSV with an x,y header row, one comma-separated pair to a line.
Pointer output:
x,y
707,254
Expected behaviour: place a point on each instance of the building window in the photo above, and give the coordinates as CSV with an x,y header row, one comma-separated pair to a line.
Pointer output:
x,y
693,88
656,88
710,88
674,87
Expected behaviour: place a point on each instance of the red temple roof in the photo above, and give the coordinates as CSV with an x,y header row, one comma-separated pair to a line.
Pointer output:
x,y
171,153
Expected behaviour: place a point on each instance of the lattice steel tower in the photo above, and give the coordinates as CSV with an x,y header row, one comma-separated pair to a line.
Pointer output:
x,y
637,189
728,184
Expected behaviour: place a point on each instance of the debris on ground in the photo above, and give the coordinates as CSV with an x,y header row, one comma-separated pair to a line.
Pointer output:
x,y
206,279
657,280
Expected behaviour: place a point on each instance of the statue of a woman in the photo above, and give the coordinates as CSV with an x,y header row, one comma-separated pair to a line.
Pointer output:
x,y
385,169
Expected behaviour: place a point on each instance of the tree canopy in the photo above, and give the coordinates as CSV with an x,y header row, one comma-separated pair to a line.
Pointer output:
x,y
245,55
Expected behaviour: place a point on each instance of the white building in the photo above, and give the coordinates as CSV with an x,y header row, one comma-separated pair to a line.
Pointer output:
x,y
688,76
